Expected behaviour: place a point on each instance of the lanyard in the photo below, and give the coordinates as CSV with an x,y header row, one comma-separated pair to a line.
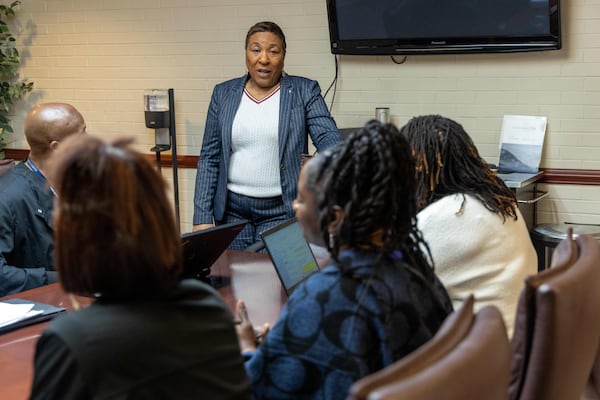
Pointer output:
x,y
37,171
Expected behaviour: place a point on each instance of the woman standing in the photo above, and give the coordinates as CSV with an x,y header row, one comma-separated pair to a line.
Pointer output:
x,y
255,132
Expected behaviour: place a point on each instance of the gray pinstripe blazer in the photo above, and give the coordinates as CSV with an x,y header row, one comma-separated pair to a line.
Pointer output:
x,y
302,111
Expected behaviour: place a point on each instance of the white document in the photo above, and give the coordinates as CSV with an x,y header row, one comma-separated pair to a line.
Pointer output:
x,y
11,313
521,143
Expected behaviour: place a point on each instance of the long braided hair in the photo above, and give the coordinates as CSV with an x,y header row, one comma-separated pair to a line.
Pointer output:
x,y
371,176
447,162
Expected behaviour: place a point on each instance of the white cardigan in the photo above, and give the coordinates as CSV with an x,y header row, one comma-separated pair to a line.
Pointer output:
x,y
475,251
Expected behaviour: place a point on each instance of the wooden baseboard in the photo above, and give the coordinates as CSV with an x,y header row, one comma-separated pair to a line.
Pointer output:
x,y
551,175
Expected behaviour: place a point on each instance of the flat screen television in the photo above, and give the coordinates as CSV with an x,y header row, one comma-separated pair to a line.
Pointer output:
x,y
405,27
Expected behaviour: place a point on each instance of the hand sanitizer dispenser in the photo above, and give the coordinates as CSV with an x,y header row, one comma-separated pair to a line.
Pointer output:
x,y
156,110
156,107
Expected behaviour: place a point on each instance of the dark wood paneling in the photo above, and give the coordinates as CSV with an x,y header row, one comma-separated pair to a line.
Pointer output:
x,y
571,176
16,154
165,159
182,161
551,175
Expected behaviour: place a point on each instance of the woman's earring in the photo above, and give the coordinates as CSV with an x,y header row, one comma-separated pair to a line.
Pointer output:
x,y
332,240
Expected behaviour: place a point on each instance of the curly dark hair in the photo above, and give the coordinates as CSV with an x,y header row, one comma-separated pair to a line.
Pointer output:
x,y
448,162
371,176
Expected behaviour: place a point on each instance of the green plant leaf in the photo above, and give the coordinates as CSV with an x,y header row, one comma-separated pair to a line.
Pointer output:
x,y
11,89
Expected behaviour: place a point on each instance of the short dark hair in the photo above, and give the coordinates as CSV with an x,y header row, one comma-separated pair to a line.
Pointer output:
x,y
448,162
266,26
115,230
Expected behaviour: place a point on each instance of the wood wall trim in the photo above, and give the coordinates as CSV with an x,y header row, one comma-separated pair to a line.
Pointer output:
x,y
16,154
571,176
165,159
554,176
182,161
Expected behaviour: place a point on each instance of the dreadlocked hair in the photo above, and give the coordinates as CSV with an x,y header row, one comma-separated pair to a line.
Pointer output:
x,y
447,162
371,176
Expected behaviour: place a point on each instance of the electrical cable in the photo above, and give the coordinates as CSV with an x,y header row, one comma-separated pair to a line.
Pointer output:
x,y
398,62
333,83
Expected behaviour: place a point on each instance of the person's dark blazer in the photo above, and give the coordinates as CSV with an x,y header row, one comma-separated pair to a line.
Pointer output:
x,y
26,232
180,344
302,112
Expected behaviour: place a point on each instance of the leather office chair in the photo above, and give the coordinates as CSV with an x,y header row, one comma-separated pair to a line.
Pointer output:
x,y
557,326
595,377
592,389
469,358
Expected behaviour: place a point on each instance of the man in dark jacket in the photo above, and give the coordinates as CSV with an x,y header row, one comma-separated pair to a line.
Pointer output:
x,y
26,235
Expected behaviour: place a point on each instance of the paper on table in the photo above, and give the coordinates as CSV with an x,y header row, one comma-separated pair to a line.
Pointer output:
x,y
11,313
521,142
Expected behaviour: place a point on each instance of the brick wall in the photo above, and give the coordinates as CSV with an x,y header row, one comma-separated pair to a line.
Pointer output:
x,y
101,55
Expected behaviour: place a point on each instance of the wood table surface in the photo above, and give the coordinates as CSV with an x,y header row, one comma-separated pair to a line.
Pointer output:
x,y
235,275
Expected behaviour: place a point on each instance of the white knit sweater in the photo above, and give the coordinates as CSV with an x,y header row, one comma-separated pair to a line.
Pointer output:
x,y
477,252
254,165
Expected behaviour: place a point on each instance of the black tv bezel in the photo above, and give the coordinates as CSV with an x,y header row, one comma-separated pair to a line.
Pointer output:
x,y
460,45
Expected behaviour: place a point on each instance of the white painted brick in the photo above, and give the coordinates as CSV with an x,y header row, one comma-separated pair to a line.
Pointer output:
x,y
101,55
572,203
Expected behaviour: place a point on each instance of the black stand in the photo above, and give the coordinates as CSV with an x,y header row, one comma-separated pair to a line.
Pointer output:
x,y
173,134
159,148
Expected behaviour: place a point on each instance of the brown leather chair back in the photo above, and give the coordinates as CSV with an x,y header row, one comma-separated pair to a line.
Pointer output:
x,y
558,326
594,383
453,330
469,358
565,255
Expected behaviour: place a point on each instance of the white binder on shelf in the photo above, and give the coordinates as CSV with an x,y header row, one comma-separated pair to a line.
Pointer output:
x,y
521,143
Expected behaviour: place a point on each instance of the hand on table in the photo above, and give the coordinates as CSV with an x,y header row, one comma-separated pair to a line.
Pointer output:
x,y
248,337
201,227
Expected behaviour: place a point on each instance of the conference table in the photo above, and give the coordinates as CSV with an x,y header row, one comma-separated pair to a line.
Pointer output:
x,y
235,275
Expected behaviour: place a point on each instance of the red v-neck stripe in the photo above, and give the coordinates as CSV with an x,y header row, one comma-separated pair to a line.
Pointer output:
x,y
267,97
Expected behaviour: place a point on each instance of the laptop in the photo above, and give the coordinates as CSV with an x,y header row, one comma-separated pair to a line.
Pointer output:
x,y
291,254
202,248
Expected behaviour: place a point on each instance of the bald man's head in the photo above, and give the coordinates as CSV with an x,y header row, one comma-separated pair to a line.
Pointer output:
x,y
49,123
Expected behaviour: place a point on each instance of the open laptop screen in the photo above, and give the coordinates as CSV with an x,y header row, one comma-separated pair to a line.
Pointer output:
x,y
291,254
202,248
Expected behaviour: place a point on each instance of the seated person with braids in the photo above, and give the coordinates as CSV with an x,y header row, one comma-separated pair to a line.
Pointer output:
x,y
469,218
377,301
